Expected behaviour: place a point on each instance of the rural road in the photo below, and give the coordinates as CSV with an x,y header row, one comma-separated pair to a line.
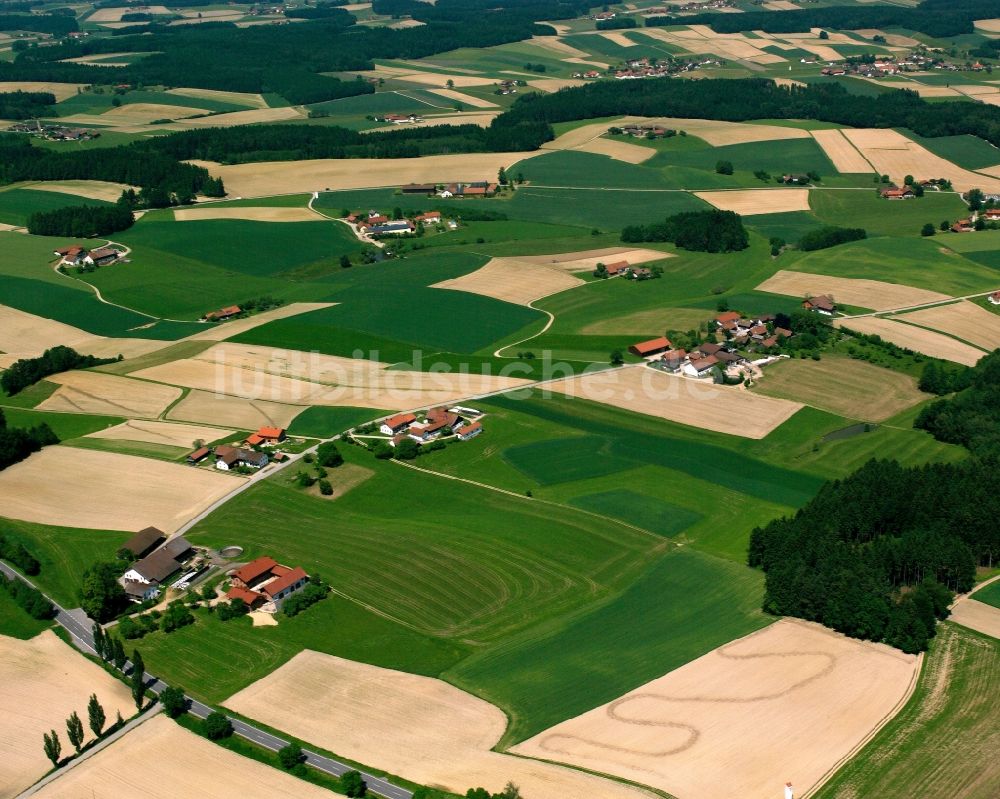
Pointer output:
x,y
907,308
79,626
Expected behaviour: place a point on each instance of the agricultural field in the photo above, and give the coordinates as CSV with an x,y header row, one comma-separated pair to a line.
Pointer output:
x,y
945,734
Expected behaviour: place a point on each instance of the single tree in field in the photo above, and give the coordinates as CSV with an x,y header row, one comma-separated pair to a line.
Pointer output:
x,y
345,262
617,359
927,230
290,756
450,84
510,791
53,748
944,226
137,680
502,177
95,716
174,702
74,731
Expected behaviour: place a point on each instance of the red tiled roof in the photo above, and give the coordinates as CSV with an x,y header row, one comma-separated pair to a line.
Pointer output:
x,y
704,363
254,439
728,316
271,432
651,346
245,594
255,569
199,454
471,428
285,580
399,420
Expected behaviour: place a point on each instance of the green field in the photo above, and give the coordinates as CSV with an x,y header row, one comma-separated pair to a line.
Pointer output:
x,y
324,422
64,425
63,553
885,217
17,623
944,741
16,205
685,606
990,594
647,512
969,152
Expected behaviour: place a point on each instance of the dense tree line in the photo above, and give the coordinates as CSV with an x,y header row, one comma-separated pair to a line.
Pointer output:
x,y
286,60
972,417
618,23
703,231
56,24
296,142
29,599
757,98
830,236
28,371
17,443
19,160
937,18
943,377
13,551
877,555
81,221
25,105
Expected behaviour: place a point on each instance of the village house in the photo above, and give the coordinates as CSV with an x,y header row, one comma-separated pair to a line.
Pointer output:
x,y
963,226
144,542
617,268
991,214
894,193
672,360
223,314
103,256
700,368
795,180
994,298
645,349
469,431
823,304
400,227
266,436
228,458
396,424
144,578
402,119
71,256
429,218
198,455
264,584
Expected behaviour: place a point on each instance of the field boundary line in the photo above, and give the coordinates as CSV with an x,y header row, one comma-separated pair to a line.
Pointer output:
x,y
488,487
895,711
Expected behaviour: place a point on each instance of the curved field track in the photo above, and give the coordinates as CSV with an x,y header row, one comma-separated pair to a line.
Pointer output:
x,y
420,728
785,703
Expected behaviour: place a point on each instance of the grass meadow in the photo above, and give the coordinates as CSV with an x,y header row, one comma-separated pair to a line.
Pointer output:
x,y
16,622
16,205
944,741
990,594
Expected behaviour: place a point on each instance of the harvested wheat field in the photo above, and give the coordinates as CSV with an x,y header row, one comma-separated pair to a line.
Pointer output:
x,y
687,401
587,260
619,150
719,134
94,189
243,414
161,760
780,5
265,214
72,487
42,681
964,320
893,154
555,84
111,395
848,387
758,201
991,25
481,118
287,177
513,280
144,113
874,294
62,91
420,728
465,99
236,98
115,14
915,338
976,616
617,38
921,89
558,46
841,152
251,117
100,59
224,330
439,78
294,377
785,703
171,433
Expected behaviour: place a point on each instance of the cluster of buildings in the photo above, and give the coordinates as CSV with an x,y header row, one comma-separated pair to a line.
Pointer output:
x,y
157,559
376,224
400,119
222,314
642,131
624,269
464,423
75,255
887,65
655,68
54,132
734,331
481,188
505,87
264,584
969,224
894,192
229,457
